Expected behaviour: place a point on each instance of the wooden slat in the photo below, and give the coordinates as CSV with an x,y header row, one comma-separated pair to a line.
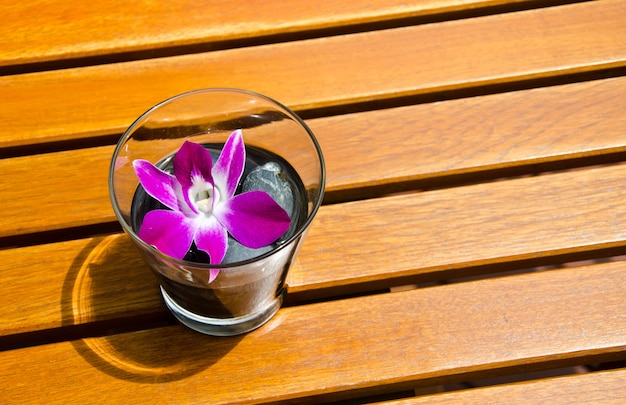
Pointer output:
x,y
46,30
435,140
105,274
54,191
372,66
433,233
351,247
67,303
605,387
357,346
423,142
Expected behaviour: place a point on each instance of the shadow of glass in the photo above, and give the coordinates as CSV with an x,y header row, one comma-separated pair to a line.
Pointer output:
x,y
108,289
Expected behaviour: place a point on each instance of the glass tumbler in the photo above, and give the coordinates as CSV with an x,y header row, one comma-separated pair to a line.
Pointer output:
x,y
250,285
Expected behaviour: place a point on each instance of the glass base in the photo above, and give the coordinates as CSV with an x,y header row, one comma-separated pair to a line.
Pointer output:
x,y
219,326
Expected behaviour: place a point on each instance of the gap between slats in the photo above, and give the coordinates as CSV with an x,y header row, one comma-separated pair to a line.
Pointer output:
x,y
357,248
95,140
598,387
429,146
404,65
238,37
451,333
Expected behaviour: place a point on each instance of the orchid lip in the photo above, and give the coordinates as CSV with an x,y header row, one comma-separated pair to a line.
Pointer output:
x,y
204,202
204,198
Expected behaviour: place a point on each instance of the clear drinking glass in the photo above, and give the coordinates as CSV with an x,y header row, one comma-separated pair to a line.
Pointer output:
x,y
248,291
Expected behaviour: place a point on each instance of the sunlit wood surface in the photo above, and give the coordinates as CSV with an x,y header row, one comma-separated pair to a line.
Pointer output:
x,y
72,30
470,246
403,62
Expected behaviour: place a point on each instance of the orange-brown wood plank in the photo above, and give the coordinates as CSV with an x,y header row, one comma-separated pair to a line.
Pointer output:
x,y
46,284
347,347
432,234
379,65
457,137
416,143
351,247
45,30
606,387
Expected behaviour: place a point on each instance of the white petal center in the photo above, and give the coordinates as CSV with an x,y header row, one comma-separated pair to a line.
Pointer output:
x,y
202,195
204,201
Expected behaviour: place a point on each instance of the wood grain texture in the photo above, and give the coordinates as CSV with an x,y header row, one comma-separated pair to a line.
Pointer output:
x,y
371,66
426,235
83,321
477,134
73,283
45,30
376,343
597,388
351,247
423,142
54,191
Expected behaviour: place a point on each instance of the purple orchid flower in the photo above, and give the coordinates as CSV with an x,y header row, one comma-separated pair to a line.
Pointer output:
x,y
203,206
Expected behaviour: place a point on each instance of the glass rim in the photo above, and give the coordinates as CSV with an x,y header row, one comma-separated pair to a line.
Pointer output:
x,y
222,266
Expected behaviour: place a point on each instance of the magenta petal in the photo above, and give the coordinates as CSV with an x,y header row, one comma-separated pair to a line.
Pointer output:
x,y
213,273
171,232
212,238
157,183
229,166
192,163
254,219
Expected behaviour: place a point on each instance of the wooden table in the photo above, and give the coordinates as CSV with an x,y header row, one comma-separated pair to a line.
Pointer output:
x,y
471,234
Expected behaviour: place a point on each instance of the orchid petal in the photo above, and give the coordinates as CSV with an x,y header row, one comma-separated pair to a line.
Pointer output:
x,y
171,232
157,183
230,164
213,273
192,164
253,218
212,238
